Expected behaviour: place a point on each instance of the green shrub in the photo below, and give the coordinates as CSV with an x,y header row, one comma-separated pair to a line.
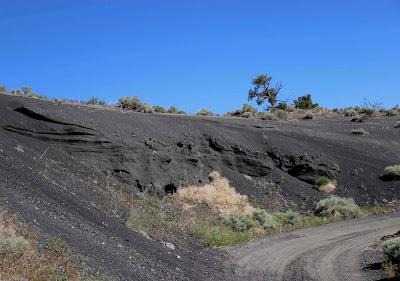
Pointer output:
x,y
173,109
220,235
3,89
159,109
130,103
13,247
359,132
267,116
282,114
16,92
265,219
391,113
247,114
288,217
357,118
320,181
57,246
370,112
96,101
308,115
282,106
246,111
147,108
248,108
305,102
238,221
392,173
350,112
205,112
334,205
391,248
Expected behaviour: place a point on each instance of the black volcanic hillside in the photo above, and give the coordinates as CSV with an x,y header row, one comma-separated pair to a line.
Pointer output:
x,y
57,160
160,153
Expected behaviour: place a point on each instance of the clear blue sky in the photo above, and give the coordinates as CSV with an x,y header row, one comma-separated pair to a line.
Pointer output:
x,y
202,54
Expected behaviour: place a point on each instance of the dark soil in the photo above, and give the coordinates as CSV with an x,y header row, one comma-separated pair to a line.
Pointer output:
x,y
57,160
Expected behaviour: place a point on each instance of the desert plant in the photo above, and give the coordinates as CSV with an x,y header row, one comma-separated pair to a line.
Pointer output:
x,y
265,219
282,114
305,102
289,217
334,205
3,89
350,112
130,103
248,108
220,235
12,246
391,173
320,181
172,109
391,113
247,114
325,184
282,106
96,101
308,115
267,116
159,109
204,112
26,90
357,118
16,92
147,108
218,196
359,131
370,112
238,221
391,249
263,91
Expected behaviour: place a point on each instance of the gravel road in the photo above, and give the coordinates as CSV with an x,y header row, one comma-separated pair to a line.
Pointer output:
x,y
330,252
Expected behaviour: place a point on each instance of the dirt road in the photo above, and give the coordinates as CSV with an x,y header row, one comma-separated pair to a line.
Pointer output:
x,y
330,252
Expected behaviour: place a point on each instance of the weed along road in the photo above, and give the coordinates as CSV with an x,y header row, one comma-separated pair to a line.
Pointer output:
x,y
330,252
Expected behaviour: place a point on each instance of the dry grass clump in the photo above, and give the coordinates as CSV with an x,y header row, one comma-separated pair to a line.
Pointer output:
x,y
324,184
20,258
391,173
329,187
218,196
359,132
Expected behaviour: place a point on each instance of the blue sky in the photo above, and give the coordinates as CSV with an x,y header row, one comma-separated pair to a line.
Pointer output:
x,y
203,54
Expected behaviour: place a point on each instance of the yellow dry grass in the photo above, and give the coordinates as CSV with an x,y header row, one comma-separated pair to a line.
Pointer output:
x,y
218,195
327,187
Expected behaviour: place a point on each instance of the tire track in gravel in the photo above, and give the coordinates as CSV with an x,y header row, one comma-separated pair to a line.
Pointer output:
x,y
329,252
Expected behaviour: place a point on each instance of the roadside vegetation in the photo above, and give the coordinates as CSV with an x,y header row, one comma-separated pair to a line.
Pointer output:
x,y
217,215
22,259
391,249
